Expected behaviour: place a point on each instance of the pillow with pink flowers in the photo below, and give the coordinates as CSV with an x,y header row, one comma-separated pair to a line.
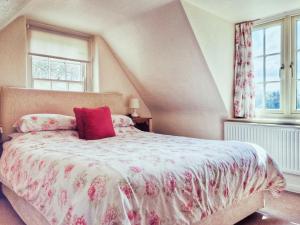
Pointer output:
x,y
121,121
44,122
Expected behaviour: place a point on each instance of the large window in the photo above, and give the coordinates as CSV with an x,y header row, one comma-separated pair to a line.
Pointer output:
x,y
57,61
276,52
297,55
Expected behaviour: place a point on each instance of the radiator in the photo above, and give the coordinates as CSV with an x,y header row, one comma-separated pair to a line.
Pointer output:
x,y
282,142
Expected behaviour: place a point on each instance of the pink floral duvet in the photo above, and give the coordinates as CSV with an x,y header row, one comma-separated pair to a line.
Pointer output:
x,y
135,178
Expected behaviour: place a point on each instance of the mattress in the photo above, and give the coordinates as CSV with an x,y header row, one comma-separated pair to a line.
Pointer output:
x,y
134,178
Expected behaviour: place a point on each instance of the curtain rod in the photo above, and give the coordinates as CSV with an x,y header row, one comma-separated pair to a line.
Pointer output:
x,y
32,24
246,21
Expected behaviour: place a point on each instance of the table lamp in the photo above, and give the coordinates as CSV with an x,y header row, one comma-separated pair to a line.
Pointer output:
x,y
134,104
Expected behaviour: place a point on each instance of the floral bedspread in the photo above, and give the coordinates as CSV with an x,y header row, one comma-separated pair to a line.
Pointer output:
x,y
135,178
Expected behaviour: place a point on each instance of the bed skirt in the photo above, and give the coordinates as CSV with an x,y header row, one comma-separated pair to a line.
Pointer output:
x,y
227,216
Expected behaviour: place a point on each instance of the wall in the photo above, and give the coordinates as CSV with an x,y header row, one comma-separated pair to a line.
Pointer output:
x,y
163,59
13,50
108,75
216,40
111,77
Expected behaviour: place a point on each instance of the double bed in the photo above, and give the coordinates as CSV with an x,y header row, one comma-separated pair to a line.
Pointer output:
x,y
135,178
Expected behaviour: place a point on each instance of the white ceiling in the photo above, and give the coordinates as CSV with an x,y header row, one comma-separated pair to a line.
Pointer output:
x,y
93,16
97,16
241,10
9,8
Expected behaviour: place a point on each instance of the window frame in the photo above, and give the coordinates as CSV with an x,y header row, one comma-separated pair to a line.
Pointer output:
x,y
32,79
288,74
293,76
33,25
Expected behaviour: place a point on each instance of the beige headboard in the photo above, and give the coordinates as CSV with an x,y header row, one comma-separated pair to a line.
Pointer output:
x,y
16,102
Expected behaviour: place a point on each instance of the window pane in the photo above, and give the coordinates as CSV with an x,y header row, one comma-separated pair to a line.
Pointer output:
x,y
57,70
40,67
259,69
76,87
273,68
273,39
298,34
298,65
298,94
259,96
59,86
42,84
273,95
258,42
74,72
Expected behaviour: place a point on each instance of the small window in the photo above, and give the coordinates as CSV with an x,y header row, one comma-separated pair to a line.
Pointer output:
x,y
58,61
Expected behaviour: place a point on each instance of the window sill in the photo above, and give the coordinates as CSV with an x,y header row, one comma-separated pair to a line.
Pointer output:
x,y
275,121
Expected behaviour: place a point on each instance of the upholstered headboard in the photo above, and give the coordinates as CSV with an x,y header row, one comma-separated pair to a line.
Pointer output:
x,y
16,102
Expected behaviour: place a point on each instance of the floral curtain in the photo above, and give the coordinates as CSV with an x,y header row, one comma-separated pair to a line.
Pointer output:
x,y
244,90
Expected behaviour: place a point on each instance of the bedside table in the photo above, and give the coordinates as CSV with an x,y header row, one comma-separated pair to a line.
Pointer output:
x,y
143,123
1,141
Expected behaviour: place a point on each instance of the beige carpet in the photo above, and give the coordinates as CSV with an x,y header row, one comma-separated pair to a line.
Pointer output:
x,y
282,211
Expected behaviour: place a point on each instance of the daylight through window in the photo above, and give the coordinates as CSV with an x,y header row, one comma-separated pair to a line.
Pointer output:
x,y
276,60
58,61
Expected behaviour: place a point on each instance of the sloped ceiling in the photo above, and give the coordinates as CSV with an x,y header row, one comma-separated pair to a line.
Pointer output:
x,y
9,9
97,16
164,61
241,10
92,16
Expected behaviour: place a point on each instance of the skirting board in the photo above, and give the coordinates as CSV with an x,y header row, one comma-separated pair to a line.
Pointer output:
x,y
293,182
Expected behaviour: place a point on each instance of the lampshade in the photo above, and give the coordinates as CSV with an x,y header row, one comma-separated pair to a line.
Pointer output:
x,y
134,103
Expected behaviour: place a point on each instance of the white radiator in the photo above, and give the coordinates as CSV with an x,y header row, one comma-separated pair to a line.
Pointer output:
x,y
282,142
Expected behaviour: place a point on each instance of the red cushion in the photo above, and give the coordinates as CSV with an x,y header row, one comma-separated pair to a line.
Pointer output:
x,y
79,121
98,123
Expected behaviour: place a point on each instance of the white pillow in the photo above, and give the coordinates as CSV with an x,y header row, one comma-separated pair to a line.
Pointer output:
x,y
121,120
44,122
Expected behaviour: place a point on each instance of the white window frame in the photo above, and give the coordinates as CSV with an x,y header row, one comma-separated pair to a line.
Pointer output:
x,y
288,81
88,86
83,70
282,88
294,110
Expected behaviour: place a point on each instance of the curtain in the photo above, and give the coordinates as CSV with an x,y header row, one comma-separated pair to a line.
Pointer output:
x,y
244,89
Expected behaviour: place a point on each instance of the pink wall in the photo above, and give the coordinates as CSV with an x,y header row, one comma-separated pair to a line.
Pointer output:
x,y
163,60
13,54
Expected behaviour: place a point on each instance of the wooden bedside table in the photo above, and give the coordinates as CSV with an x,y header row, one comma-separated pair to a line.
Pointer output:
x,y
1,141
143,123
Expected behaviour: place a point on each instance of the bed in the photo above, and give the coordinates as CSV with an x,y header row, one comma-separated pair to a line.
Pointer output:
x,y
135,178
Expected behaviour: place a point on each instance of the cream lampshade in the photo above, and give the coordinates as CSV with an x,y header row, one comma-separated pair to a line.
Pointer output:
x,y
134,104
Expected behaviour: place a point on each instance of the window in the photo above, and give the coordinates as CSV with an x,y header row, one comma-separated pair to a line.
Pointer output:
x,y
277,80
267,50
57,61
297,60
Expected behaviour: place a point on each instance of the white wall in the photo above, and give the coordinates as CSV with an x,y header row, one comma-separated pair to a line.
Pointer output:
x,y
111,77
216,40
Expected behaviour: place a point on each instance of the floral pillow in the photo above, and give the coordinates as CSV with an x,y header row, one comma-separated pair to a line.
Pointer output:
x,y
121,121
44,122
126,130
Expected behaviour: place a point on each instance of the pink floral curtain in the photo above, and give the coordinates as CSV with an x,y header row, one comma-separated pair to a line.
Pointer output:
x,y
244,91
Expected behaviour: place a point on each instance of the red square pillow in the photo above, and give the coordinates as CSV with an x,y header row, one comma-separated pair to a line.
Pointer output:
x,y
79,121
98,123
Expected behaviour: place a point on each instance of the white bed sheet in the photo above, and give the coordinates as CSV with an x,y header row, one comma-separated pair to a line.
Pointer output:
x,y
134,178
